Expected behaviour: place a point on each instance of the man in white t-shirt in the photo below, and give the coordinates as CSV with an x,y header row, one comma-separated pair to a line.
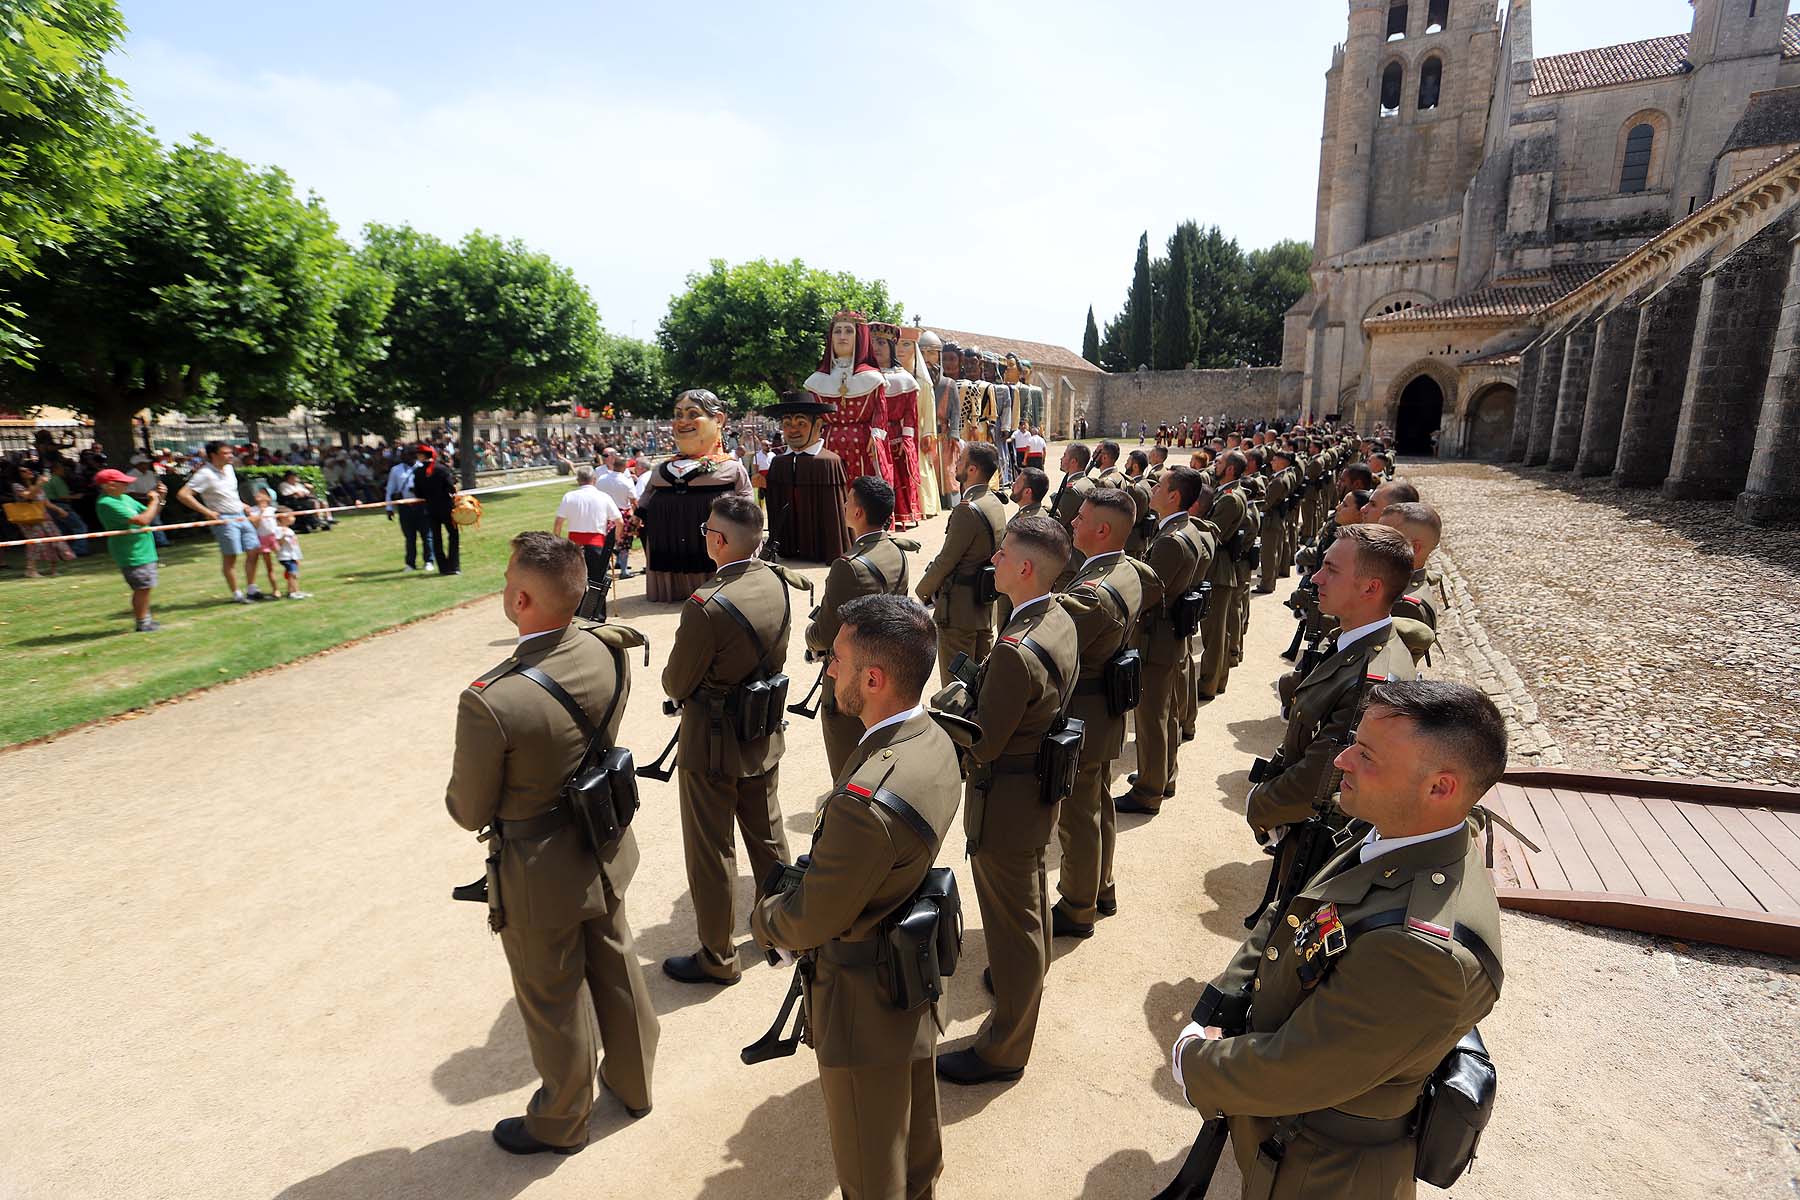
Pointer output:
x,y
621,489
212,491
592,521
1035,447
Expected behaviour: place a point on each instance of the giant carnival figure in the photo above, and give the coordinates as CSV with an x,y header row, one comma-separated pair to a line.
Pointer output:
x,y
806,485
949,389
912,354
978,397
902,395
681,492
848,379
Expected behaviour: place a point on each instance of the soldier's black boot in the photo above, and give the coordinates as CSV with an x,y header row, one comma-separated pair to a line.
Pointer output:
x,y
512,1137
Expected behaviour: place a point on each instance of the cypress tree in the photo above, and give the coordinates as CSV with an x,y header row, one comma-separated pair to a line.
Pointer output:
x,y
1175,340
1090,340
1143,308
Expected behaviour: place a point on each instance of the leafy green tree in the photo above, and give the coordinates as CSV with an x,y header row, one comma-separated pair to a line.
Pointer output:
x,y
635,379
485,324
64,137
347,352
211,275
1090,339
755,330
1175,340
1221,309
1142,341
1278,277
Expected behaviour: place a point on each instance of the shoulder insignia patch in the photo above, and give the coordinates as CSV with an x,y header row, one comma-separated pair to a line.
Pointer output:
x,y
1378,677
1011,641
1427,927
479,683
857,789
697,598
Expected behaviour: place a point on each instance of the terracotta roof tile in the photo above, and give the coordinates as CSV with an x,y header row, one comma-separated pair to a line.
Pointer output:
x,y
1516,295
1041,354
1505,358
1631,62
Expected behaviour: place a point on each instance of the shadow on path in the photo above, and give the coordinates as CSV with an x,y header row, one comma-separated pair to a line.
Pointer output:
x,y
499,1065
468,1164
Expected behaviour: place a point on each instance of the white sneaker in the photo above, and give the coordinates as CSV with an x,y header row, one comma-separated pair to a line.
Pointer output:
x,y
408,569
254,592
239,598
298,596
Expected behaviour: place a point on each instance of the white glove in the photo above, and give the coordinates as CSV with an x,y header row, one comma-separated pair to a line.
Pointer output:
x,y
784,958
1191,1032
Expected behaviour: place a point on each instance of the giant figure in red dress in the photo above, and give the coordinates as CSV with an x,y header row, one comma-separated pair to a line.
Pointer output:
x,y
902,393
849,379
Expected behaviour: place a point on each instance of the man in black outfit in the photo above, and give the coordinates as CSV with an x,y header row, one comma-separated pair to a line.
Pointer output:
x,y
433,484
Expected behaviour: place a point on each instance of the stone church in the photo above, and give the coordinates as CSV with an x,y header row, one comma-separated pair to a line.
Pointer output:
x,y
1584,260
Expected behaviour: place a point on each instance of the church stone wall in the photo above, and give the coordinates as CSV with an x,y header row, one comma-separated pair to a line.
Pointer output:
x,y
1253,393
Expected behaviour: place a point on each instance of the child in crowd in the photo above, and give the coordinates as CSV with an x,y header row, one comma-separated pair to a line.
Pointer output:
x,y
287,549
263,515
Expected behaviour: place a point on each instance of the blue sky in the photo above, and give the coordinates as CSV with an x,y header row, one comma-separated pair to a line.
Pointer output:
x,y
993,162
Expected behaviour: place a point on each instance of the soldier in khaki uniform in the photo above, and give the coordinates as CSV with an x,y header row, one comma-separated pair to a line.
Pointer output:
x,y
1276,486
1174,559
1107,471
1106,602
1018,697
723,776
1290,464
1187,668
1076,484
560,913
1363,574
1255,486
949,583
1029,488
1137,486
1320,1090
876,565
875,1060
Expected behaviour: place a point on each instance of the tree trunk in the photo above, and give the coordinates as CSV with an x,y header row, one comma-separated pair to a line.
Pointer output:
x,y
251,428
465,448
112,414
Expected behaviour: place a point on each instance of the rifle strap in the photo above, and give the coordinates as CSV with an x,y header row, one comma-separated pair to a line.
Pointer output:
x,y
1471,940
756,642
871,568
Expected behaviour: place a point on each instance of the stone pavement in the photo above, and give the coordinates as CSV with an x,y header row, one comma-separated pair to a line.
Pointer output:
x,y
1619,629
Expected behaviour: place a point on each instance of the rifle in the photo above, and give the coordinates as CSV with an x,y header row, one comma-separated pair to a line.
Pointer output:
x,y
663,769
1231,1014
783,878
808,707
1307,844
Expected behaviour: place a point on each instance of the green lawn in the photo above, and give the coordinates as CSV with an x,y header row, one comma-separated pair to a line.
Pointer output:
x,y
71,655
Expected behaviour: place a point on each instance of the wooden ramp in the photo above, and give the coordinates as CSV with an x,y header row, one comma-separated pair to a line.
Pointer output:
x,y
1685,858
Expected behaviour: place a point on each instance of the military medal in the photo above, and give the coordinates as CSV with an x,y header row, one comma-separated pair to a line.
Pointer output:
x,y
1319,939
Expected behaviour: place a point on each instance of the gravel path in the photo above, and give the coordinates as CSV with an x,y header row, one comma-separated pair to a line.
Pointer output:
x,y
1652,635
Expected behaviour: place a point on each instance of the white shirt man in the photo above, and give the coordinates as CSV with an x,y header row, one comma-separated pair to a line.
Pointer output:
x,y
618,487
1036,444
217,488
586,514
1021,440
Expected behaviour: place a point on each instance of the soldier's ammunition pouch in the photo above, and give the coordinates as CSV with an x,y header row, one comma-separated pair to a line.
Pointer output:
x,y
981,584
1189,610
1239,545
1455,1107
1058,758
601,797
1146,526
1265,769
756,708
923,940
1122,682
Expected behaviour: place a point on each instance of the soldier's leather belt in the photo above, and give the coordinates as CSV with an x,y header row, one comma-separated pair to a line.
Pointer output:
x,y
1015,764
1335,1125
865,953
538,826
1091,687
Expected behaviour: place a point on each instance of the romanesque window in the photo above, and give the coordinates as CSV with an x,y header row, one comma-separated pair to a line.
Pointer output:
x,y
1393,82
1431,82
1437,17
1634,176
1396,21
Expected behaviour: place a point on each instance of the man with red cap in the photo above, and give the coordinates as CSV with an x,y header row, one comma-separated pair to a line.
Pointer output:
x,y
432,483
134,553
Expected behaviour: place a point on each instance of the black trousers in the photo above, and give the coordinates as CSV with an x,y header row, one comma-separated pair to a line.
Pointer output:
x,y
446,541
599,570
413,525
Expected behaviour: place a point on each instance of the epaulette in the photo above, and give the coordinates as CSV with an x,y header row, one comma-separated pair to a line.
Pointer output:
x,y
492,674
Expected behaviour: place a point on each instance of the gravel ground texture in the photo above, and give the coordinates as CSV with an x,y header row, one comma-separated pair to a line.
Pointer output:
x,y
1652,635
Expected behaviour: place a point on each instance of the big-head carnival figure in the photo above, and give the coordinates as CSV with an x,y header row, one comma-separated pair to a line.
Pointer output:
x,y
680,493
848,379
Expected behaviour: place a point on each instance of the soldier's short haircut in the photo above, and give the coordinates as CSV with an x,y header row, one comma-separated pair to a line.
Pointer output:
x,y
1114,506
1036,481
1185,482
1399,490
1203,503
1140,458
558,562
1159,453
1384,554
876,497
1080,453
894,633
1416,519
1358,476
1456,720
984,458
1043,540
1109,451
1236,460
739,514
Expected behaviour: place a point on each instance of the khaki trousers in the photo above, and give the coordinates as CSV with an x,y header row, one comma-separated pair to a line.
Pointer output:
x,y
976,643
1269,563
708,806
886,1139
548,968
1215,643
1012,889
1242,595
1158,735
1087,829
1187,706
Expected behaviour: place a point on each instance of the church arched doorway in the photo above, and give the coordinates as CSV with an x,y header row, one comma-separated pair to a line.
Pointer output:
x,y
1487,431
1420,415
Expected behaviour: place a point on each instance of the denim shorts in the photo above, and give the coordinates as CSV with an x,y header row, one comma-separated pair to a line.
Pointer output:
x,y
236,536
